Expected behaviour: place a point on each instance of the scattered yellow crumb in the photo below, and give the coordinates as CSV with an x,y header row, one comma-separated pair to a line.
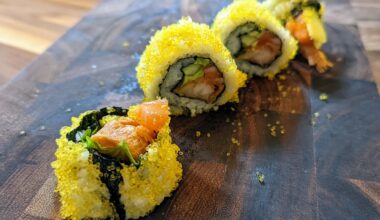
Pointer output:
x,y
282,77
197,133
126,44
280,87
275,129
235,141
296,89
323,97
208,134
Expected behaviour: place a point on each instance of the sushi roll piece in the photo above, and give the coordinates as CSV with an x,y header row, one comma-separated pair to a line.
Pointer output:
x,y
303,18
258,42
190,67
116,163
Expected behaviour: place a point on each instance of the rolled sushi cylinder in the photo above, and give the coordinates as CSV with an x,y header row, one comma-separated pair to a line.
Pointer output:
x,y
116,164
258,42
303,18
190,67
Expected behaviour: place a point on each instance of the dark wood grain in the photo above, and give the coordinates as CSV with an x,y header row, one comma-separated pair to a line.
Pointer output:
x,y
329,170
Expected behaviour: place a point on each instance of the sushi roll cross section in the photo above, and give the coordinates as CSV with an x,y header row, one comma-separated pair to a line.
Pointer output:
x,y
188,65
258,42
116,163
303,18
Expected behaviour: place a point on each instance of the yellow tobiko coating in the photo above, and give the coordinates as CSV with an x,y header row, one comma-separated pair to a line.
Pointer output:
x,y
314,26
181,40
158,175
84,196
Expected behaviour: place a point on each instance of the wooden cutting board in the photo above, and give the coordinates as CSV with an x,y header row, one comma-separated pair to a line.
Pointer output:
x,y
324,167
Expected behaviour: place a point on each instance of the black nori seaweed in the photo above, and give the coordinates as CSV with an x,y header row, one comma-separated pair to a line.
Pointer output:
x,y
297,10
109,167
111,177
314,4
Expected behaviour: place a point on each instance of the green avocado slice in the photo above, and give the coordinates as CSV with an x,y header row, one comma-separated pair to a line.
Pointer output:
x,y
195,70
249,39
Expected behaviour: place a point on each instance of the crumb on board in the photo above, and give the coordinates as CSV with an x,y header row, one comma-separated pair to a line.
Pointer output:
x,y
280,87
323,97
126,44
228,120
233,109
42,128
282,77
22,133
68,110
265,115
316,114
260,177
293,111
208,134
273,131
329,116
313,122
277,128
228,154
296,89
235,141
198,133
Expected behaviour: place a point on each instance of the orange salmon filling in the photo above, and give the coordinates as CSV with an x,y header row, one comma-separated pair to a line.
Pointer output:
x,y
138,133
315,57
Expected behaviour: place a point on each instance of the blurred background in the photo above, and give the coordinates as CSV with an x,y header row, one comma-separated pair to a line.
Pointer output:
x,y
29,27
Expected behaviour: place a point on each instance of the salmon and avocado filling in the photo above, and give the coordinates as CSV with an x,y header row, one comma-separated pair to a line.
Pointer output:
x,y
125,138
193,78
251,45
